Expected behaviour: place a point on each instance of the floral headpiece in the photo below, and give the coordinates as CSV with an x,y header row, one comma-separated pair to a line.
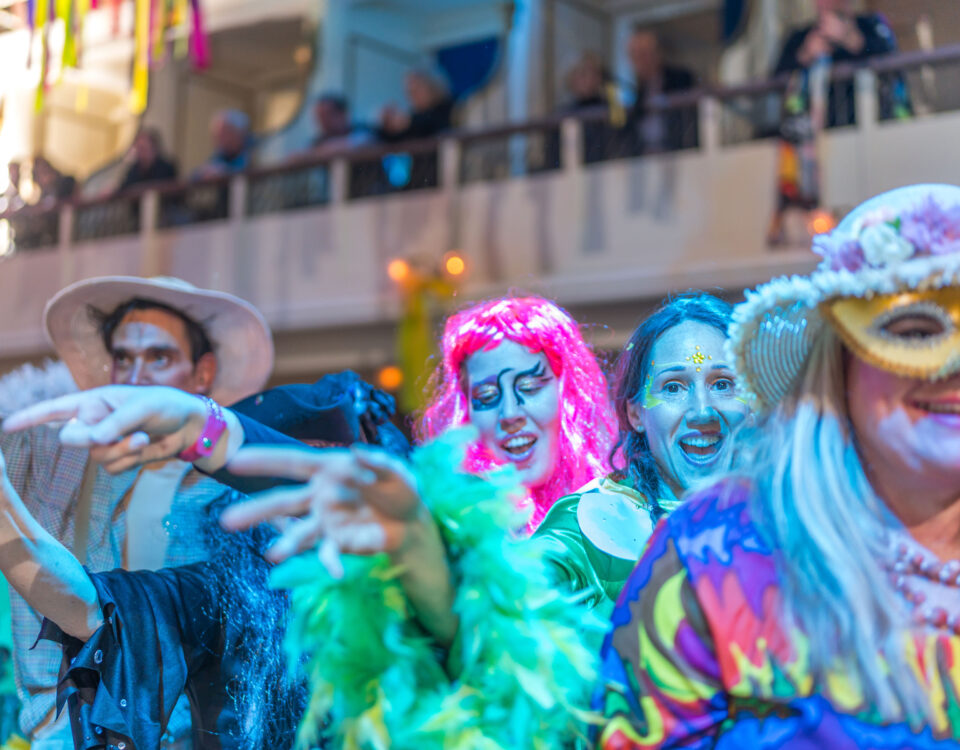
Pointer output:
x,y
882,238
895,255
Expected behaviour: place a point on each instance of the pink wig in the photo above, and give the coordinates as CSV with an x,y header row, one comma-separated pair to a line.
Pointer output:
x,y
588,426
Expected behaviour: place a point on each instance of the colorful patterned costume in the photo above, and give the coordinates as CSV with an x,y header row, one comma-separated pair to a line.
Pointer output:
x,y
699,655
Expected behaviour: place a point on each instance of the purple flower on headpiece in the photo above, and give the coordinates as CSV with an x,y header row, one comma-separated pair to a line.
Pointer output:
x,y
839,253
931,229
881,238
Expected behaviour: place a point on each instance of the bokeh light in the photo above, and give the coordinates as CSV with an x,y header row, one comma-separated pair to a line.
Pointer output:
x,y
454,264
390,378
398,270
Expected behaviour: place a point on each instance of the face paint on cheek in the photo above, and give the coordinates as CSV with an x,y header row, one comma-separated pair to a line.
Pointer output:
x,y
649,400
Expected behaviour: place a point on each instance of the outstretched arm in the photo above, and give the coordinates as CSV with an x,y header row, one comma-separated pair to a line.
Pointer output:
x,y
358,501
42,570
125,426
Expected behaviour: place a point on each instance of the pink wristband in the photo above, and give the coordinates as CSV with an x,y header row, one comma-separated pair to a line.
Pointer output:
x,y
212,430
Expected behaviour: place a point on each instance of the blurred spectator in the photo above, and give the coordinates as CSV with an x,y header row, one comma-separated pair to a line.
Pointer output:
x,y
335,130
232,142
53,185
149,164
431,110
37,229
589,84
586,82
11,200
840,35
431,113
651,130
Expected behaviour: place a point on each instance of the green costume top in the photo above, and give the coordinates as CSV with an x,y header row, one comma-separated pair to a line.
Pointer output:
x,y
594,537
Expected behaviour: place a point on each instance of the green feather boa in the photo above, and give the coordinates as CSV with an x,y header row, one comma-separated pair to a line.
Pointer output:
x,y
524,670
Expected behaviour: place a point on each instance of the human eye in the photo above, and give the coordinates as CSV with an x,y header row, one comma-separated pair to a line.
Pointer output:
x,y
915,326
919,321
673,387
532,383
724,384
485,395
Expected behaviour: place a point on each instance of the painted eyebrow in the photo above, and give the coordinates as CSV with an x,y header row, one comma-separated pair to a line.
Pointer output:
x,y
675,368
159,349
536,370
493,379
684,368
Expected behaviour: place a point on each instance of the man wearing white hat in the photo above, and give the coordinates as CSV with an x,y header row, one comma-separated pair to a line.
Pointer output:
x,y
131,331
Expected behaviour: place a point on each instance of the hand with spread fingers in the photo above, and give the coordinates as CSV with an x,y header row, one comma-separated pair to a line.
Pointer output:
x,y
360,501
126,426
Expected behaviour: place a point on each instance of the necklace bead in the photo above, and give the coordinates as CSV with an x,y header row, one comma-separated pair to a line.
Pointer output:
x,y
941,582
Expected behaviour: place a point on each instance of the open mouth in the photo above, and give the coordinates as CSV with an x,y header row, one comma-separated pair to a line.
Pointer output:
x,y
701,449
938,407
519,447
946,412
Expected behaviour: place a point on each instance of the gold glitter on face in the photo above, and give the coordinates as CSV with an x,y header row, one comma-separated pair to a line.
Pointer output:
x,y
698,357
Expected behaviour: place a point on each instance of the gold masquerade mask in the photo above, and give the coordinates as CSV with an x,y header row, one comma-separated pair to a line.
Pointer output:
x,y
913,334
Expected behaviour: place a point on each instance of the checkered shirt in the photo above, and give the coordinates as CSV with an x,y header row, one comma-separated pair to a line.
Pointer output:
x,y
49,478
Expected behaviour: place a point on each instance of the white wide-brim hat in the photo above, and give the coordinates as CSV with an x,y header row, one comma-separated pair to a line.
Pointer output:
x,y
240,336
906,239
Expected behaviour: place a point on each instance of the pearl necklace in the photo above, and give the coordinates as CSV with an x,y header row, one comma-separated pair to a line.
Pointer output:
x,y
931,587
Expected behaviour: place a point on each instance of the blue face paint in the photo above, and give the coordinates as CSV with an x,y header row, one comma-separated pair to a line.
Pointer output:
x,y
529,382
488,393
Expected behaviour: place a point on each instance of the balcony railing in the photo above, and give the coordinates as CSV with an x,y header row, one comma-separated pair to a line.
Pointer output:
x,y
704,120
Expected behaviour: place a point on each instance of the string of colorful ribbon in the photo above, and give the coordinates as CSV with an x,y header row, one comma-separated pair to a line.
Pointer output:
x,y
153,20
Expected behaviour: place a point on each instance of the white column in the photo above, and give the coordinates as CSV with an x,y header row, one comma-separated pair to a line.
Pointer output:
x,y
526,79
151,263
67,215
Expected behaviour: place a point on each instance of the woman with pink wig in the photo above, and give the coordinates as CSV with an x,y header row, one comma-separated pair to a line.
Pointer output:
x,y
519,371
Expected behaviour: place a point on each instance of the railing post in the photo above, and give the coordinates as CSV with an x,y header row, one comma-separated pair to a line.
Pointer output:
x,y
866,98
708,112
339,181
150,263
450,152
238,198
67,216
571,148
868,114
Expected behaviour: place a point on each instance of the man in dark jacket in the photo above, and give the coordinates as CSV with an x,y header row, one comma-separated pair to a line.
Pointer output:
x,y
652,130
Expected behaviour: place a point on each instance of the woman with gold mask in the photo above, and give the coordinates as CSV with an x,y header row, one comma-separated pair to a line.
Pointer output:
x,y
812,598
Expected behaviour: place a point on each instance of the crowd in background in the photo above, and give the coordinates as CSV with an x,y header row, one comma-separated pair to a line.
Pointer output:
x,y
631,116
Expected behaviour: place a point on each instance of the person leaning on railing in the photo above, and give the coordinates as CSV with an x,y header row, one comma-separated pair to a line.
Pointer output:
x,y
147,161
431,113
840,35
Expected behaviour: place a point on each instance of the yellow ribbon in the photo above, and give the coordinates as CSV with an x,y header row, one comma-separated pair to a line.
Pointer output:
x,y
41,15
64,10
141,56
